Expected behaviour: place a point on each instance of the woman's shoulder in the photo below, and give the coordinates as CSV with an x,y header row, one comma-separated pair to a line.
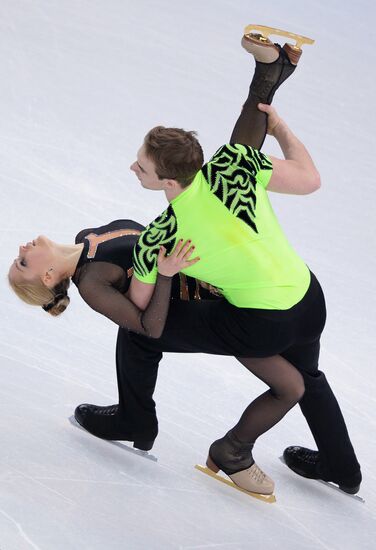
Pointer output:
x,y
111,226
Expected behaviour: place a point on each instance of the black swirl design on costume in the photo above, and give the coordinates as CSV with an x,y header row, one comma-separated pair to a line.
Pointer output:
x,y
231,175
162,231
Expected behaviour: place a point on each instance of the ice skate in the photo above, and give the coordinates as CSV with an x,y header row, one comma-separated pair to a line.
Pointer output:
x,y
104,422
234,458
274,64
306,463
259,44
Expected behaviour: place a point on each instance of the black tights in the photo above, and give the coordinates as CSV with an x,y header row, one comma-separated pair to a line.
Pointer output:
x,y
250,128
285,382
286,389
233,452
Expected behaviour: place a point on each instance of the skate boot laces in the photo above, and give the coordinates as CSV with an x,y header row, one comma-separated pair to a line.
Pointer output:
x,y
256,474
253,479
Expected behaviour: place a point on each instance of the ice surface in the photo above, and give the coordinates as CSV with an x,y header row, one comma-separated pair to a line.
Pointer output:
x,y
81,82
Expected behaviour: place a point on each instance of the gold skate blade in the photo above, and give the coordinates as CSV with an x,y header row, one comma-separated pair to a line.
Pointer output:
x,y
265,498
267,31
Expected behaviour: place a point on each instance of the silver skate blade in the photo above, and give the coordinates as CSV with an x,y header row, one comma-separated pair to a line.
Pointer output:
x,y
328,484
138,452
332,486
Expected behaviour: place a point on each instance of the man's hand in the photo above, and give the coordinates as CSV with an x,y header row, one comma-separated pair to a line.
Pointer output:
x,y
273,117
296,174
178,259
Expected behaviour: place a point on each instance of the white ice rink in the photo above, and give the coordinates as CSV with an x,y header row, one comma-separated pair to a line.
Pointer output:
x,y
81,81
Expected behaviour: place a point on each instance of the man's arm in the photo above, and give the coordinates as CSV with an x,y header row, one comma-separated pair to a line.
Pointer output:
x,y
140,293
296,174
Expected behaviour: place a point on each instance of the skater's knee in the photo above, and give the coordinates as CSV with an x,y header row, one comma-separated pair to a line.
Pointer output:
x,y
292,391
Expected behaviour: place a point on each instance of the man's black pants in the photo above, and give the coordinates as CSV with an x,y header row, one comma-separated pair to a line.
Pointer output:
x,y
217,327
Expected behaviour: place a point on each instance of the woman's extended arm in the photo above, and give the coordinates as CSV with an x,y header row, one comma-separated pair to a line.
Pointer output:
x,y
100,286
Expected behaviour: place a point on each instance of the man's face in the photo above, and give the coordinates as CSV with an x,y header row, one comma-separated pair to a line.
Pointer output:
x,y
145,171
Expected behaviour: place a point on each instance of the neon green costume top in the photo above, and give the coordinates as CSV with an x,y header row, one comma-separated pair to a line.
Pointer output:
x,y
227,214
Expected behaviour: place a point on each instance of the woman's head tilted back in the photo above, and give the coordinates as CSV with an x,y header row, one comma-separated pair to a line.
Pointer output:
x,y
34,278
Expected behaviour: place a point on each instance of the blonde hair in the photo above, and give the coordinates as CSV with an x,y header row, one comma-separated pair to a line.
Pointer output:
x,y
53,300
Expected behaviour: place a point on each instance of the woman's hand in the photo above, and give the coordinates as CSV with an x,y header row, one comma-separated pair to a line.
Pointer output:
x,y
178,259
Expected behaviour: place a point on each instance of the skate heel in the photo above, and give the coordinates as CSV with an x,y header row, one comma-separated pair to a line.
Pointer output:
x,y
143,445
211,465
349,490
293,53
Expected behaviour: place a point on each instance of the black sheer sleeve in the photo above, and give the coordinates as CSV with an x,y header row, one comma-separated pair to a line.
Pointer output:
x,y
102,286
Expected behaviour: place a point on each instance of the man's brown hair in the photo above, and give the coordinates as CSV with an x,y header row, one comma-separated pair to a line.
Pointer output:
x,y
176,153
